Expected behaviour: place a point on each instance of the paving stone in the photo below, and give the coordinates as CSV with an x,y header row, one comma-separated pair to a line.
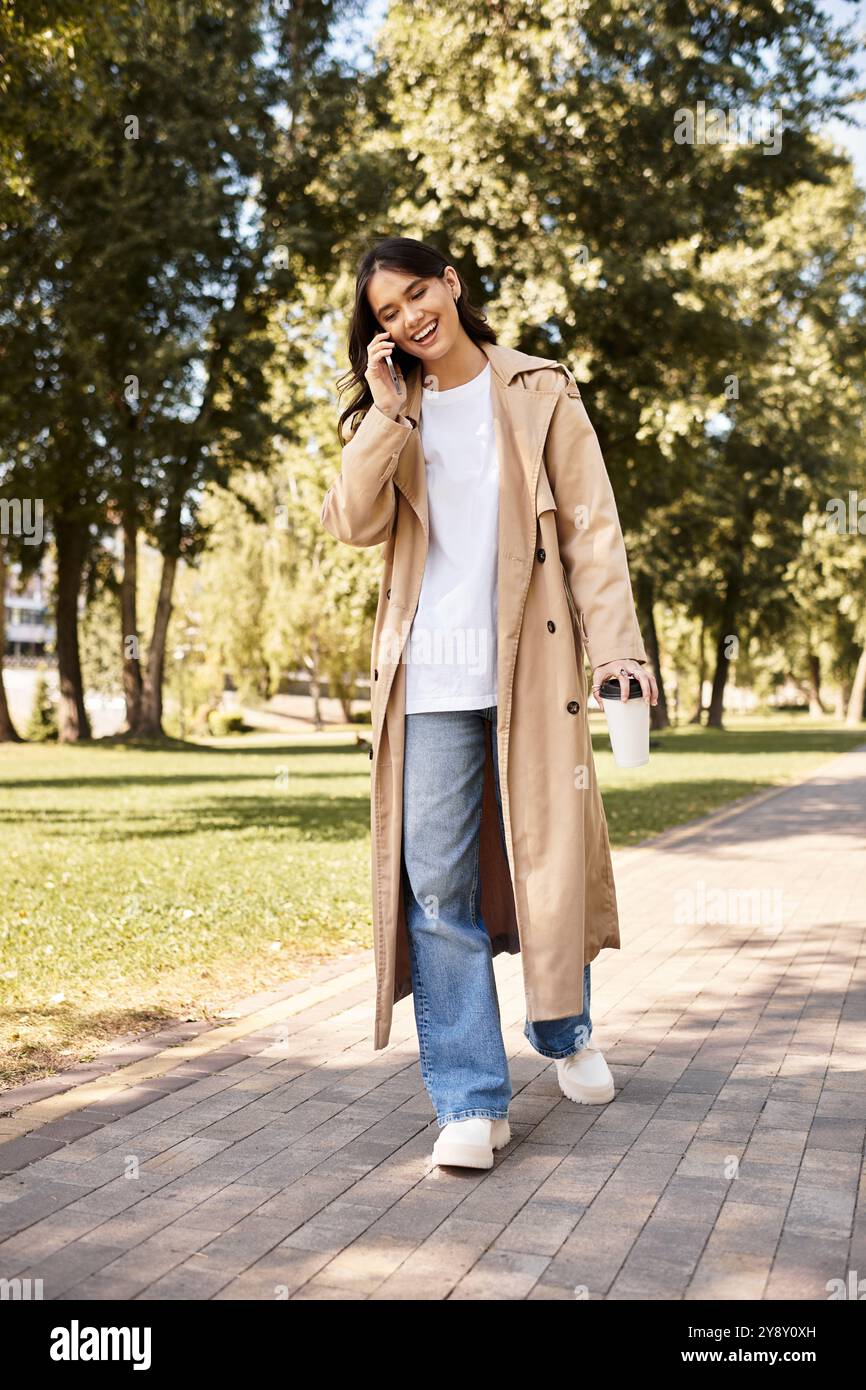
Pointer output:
x,y
728,1275
749,1227
185,1284
432,1269
651,1276
822,1210
276,1277
69,1266
17,1153
501,1274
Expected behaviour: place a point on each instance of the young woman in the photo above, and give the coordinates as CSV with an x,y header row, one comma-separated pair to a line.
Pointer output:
x,y
478,468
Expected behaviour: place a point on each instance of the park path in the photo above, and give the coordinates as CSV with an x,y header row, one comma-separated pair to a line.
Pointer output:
x,y
278,1155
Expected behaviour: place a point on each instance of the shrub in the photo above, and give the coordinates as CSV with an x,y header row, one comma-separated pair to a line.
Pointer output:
x,y
223,722
43,716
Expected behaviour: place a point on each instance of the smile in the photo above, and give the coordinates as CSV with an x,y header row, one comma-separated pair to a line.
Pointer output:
x,y
427,334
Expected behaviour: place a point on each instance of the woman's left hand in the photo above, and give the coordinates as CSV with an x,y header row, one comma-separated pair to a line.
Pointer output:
x,y
623,669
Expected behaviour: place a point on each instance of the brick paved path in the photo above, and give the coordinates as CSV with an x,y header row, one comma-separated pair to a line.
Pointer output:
x,y
277,1155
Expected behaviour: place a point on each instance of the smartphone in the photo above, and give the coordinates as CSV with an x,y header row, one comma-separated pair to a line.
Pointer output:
x,y
393,374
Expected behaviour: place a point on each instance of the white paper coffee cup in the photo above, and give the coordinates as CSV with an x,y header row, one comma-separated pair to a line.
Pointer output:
x,y
628,722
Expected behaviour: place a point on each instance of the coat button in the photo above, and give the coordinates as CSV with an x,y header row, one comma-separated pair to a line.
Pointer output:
x,y
573,707
541,554
375,675
388,595
551,626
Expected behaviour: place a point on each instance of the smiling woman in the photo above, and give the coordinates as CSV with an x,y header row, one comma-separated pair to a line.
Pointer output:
x,y
473,462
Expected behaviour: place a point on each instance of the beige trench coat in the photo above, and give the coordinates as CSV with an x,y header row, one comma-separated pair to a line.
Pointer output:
x,y
562,588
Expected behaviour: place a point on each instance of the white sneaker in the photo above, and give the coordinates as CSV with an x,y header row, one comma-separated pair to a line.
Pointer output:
x,y
585,1077
470,1143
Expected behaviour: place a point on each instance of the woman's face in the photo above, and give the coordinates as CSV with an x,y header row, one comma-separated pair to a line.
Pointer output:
x,y
406,305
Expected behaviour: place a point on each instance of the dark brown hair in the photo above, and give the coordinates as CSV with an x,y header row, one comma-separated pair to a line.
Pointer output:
x,y
415,258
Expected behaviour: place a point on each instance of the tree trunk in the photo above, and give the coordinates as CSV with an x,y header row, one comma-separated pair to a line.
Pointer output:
x,y
720,675
8,732
856,703
702,673
150,716
658,713
71,541
816,704
130,656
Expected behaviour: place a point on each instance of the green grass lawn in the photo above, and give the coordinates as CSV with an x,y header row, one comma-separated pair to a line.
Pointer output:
x,y
146,885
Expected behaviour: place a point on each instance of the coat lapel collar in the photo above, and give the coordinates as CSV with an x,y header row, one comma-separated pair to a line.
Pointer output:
x,y
521,419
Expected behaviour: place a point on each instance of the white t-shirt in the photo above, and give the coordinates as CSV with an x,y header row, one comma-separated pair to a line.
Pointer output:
x,y
450,653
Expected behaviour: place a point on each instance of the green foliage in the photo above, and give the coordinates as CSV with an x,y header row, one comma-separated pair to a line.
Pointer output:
x,y
42,724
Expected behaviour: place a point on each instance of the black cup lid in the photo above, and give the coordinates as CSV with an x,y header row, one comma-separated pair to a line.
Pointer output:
x,y
610,688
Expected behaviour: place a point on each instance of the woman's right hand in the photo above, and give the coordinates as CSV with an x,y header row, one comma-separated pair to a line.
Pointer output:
x,y
379,378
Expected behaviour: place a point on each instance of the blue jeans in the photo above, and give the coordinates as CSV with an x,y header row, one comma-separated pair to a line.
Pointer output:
x,y
462,1053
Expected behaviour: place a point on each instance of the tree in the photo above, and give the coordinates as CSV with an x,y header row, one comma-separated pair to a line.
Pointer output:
x,y
779,429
